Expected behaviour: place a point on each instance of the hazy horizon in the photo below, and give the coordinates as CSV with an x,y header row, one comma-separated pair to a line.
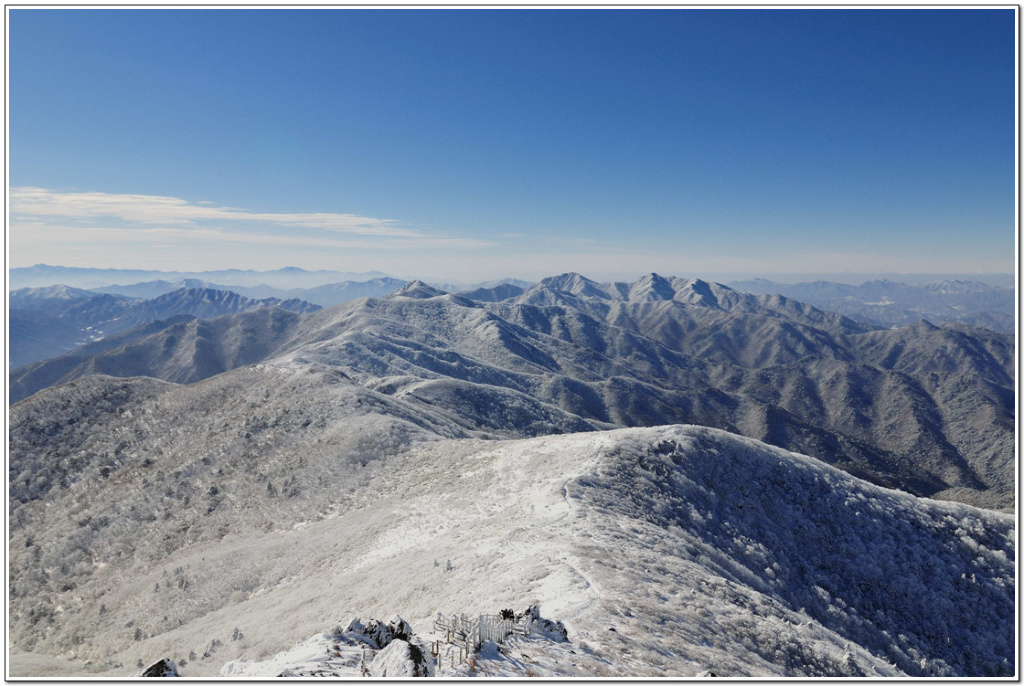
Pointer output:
x,y
1006,280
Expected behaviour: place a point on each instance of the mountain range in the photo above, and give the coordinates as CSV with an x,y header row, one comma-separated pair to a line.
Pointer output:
x,y
271,283
268,473
87,277
324,295
46,322
927,409
890,303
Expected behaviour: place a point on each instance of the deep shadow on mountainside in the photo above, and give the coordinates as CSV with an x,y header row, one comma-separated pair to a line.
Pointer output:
x,y
923,408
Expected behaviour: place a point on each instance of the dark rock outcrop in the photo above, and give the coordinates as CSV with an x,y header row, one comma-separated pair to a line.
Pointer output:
x,y
161,668
379,634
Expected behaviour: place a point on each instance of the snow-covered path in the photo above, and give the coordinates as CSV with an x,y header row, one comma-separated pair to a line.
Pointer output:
x,y
653,546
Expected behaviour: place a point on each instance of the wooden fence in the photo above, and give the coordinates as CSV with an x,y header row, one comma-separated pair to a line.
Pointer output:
x,y
468,634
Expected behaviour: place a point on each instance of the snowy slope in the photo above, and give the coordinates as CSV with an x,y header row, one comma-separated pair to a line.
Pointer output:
x,y
37,335
95,316
926,409
358,461
50,300
665,551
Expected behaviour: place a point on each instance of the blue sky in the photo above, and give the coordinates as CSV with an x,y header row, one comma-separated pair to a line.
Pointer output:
x,y
476,144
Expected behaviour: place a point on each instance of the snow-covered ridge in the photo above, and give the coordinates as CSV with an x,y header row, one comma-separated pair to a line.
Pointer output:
x,y
549,361
358,461
67,318
666,551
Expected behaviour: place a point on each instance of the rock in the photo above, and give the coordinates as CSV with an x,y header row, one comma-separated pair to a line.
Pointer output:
x,y
401,659
162,668
554,631
378,634
399,628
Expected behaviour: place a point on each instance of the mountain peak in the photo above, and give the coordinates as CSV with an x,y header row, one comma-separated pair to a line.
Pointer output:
x,y
924,325
201,291
416,289
58,291
700,292
189,283
651,287
576,284
566,278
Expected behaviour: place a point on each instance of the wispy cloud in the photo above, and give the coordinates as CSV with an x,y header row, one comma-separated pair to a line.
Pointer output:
x,y
50,223
163,210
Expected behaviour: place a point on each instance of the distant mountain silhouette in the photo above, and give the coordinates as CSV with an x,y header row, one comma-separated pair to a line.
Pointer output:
x,y
74,316
889,303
